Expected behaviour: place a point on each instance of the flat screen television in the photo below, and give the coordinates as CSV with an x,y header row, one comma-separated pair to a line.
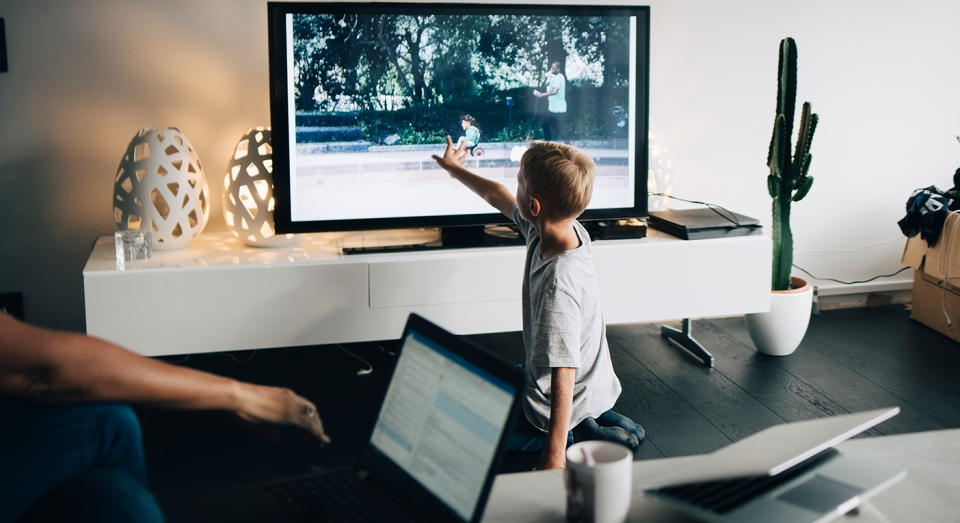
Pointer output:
x,y
362,94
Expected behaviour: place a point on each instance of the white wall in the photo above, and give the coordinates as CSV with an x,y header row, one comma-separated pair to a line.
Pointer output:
x,y
883,77
85,75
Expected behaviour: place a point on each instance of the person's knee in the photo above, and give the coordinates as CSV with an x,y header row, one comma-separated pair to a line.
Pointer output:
x,y
125,419
121,439
122,424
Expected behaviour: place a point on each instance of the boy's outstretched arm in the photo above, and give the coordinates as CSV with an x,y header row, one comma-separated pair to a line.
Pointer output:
x,y
454,160
554,455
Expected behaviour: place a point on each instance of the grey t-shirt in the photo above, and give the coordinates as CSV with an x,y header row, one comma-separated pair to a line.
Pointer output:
x,y
563,327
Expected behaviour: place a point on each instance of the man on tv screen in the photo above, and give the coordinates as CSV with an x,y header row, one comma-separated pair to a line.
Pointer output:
x,y
555,91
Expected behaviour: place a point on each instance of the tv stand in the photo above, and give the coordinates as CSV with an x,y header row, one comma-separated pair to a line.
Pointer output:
x,y
683,338
216,294
449,237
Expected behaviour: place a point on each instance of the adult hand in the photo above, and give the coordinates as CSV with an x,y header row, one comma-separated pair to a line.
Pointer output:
x,y
280,406
537,93
453,156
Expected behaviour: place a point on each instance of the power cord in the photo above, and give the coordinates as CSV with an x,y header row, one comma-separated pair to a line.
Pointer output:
x,y
732,219
729,216
364,371
238,360
386,351
874,244
801,269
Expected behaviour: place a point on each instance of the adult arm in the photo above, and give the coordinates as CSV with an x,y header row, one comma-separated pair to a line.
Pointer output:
x,y
561,406
43,365
494,193
549,89
551,92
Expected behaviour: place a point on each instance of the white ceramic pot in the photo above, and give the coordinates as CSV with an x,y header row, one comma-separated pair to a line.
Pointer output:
x,y
779,331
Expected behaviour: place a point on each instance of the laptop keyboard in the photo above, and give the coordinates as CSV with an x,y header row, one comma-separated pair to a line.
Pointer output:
x,y
722,496
334,496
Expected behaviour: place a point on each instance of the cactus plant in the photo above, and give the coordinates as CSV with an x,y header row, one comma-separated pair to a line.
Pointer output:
x,y
788,180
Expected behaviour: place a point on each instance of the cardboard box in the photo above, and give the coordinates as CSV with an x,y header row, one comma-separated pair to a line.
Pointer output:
x,y
936,279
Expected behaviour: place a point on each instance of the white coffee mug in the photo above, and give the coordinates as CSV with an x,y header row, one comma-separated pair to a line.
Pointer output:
x,y
598,480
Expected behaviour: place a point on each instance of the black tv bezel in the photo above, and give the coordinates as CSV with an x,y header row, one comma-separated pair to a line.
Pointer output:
x,y
276,11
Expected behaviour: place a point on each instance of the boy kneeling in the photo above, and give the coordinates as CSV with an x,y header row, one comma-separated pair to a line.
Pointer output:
x,y
570,380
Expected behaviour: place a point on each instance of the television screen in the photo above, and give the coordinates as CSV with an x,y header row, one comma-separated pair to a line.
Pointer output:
x,y
362,94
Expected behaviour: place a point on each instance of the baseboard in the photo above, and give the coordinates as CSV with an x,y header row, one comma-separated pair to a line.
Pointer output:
x,y
830,295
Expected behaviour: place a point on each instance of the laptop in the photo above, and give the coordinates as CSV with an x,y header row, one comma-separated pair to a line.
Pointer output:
x,y
702,223
432,455
786,473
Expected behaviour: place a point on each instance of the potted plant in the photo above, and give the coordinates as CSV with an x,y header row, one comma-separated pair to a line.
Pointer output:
x,y
780,330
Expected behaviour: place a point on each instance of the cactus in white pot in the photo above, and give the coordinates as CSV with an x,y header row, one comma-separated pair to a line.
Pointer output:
x,y
788,180
780,331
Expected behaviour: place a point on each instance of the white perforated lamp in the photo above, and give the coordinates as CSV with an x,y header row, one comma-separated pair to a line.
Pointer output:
x,y
248,200
159,187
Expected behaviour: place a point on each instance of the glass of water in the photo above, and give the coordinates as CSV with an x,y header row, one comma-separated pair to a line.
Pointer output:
x,y
131,244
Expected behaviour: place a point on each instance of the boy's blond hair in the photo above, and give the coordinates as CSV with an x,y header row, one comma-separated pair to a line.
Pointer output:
x,y
559,175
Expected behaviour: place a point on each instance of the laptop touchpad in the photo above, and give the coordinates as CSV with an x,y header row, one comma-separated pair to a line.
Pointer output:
x,y
820,494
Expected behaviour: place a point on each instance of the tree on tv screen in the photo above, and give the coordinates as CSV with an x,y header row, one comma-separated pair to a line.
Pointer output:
x,y
351,62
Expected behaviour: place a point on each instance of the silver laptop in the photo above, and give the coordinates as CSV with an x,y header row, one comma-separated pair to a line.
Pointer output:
x,y
786,473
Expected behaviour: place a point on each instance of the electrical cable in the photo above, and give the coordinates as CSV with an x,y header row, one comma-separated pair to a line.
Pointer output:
x,y
882,242
852,250
945,268
730,217
801,269
238,360
361,372
388,352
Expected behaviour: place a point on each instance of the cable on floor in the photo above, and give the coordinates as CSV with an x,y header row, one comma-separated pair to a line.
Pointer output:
x,y
364,371
239,361
386,351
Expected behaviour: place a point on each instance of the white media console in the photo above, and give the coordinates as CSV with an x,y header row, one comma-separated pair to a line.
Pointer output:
x,y
217,294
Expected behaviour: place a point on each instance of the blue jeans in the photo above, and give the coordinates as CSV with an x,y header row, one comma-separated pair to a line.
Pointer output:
x,y
73,463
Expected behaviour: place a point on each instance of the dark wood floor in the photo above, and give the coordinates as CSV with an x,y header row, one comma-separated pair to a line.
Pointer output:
x,y
850,360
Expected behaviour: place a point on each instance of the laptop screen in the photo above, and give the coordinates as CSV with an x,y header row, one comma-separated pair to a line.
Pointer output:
x,y
441,421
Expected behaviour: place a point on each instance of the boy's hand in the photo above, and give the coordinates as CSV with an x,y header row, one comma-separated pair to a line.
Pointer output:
x,y
453,156
454,161
552,460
